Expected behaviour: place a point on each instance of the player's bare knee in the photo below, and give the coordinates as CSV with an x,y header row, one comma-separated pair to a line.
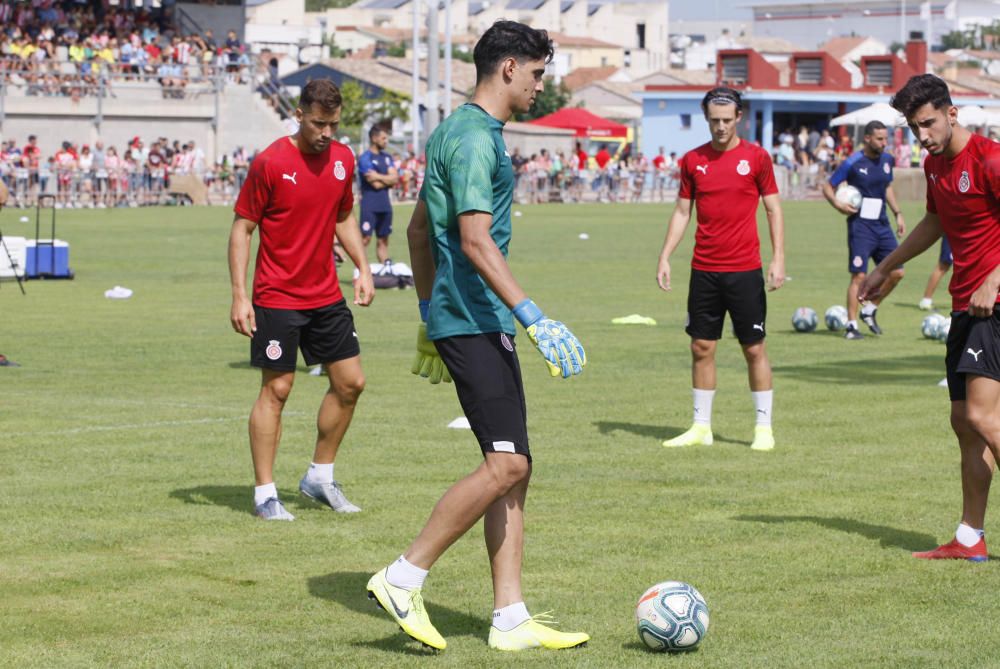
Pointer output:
x,y
276,391
755,352
349,390
897,274
702,349
508,470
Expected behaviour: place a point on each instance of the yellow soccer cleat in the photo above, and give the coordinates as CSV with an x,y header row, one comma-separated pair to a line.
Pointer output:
x,y
533,634
763,438
700,434
407,608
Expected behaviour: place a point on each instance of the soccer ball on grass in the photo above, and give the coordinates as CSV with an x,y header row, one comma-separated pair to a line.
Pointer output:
x,y
836,318
671,616
930,326
804,320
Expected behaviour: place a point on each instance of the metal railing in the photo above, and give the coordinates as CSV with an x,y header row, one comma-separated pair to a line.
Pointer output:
x,y
129,185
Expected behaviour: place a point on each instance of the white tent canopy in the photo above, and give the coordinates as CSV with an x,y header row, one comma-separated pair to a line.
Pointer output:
x,y
880,111
976,116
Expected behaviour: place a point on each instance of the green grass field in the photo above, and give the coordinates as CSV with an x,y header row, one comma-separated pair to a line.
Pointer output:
x,y
126,534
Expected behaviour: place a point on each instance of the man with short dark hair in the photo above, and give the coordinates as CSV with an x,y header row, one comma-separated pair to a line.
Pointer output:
x,y
868,232
963,202
298,195
378,175
458,240
726,178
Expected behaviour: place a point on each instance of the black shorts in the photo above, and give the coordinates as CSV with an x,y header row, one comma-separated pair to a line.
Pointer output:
x,y
487,377
378,222
973,348
325,334
712,294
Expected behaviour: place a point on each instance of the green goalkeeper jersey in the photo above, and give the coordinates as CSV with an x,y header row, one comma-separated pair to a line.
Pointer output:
x,y
468,169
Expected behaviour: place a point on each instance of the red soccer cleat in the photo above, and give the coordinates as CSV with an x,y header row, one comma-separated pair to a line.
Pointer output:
x,y
953,550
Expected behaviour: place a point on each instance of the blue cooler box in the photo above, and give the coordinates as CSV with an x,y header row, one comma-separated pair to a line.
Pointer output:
x,y
45,260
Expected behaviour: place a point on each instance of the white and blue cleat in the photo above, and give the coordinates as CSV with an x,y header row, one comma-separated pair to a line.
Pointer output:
x,y
272,509
329,494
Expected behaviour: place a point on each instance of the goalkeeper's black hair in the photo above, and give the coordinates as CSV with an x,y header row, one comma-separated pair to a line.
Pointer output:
x,y
509,39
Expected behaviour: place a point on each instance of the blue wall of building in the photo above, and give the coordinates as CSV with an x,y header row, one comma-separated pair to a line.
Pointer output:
x,y
662,125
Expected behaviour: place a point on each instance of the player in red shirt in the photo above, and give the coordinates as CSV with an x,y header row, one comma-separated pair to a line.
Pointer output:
x,y
963,202
726,178
298,195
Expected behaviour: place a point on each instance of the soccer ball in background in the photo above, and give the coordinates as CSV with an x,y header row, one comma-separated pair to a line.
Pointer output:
x,y
836,318
671,616
849,195
930,326
944,329
804,320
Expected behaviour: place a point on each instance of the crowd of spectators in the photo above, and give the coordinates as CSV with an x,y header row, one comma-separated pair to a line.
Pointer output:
x,y
579,176
103,176
71,49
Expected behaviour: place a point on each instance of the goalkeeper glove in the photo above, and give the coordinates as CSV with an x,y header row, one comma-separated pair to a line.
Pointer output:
x,y
561,349
427,362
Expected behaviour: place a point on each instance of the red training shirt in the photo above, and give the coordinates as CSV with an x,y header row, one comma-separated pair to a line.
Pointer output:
x,y
581,160
964,192
726,187
296,198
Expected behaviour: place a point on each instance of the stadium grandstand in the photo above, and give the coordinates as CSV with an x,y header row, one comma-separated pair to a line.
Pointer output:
x,y
120,74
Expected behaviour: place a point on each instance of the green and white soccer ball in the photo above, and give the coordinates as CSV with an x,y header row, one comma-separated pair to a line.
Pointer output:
x,y
836,318
671,616
930,325
804,320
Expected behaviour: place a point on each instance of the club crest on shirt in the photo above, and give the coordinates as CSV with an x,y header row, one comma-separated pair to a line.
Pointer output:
x,y
273,350
963,182
886,168
339,171
743,168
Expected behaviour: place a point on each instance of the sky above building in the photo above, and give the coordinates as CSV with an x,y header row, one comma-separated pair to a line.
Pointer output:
x,y
710,10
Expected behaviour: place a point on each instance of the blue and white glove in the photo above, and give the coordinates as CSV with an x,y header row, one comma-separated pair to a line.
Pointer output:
x,y
562,351
428,362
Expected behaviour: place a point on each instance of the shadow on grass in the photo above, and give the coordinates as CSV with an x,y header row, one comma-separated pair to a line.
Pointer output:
x,y
236,497
916,370
640,646
658,432
239,497
888,537
348,588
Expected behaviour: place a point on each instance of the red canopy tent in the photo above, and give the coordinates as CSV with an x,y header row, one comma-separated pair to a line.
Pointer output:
x,y
583,122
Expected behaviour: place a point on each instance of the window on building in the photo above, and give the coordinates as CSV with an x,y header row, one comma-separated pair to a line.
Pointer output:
x,y
808,71
640,35
604,61
685,121
734,69
879,73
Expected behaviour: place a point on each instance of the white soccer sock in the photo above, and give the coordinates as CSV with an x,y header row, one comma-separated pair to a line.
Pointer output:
x,y
262,493
703,405
968,536
511,616
762,401
320,473
868,308
404,575
852,325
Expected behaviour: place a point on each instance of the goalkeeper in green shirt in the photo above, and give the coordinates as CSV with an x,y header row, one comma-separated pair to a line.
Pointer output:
x,y
469,300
